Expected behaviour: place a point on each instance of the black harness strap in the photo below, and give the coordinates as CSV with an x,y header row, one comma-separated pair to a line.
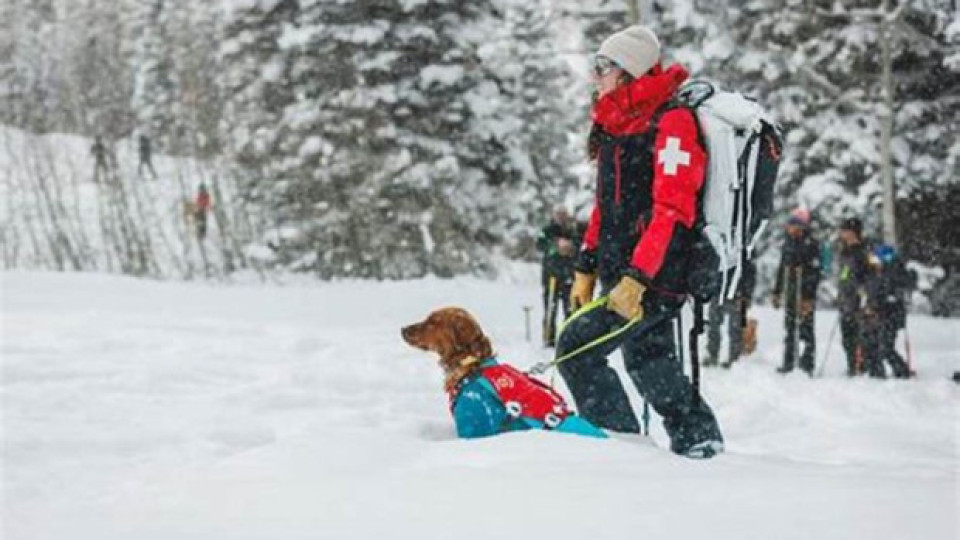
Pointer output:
x,y
695,332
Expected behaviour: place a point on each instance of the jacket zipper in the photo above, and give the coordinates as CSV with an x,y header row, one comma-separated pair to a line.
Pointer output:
x,y
616,168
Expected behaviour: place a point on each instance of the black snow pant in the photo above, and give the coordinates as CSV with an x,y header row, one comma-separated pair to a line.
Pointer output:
x,y
851,339
880,345
556,296
650,357
798,328
146,163
734,313
100,171
201,221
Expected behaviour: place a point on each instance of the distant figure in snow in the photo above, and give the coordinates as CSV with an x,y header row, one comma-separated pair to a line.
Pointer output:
x,y
796,285
201,206
143,145
885,312
99,152
558,243
854,270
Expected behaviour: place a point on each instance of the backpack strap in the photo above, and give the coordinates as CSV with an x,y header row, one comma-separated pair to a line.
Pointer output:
x,y
675,103
694,338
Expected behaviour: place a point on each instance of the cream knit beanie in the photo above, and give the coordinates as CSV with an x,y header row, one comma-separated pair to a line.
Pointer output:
x,y
635,49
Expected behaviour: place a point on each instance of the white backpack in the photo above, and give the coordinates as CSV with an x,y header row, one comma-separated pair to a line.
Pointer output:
x,y
743,145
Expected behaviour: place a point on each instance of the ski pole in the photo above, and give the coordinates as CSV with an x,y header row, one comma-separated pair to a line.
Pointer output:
x,y
646,418
693,341
906,337
798,320
550,315
526,320
826,352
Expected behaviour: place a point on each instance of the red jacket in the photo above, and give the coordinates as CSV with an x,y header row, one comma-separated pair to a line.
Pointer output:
x,y
648,181
203,201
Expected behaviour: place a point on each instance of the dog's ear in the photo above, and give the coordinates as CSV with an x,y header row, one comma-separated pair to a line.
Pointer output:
x,y
460,327
469,335
463,329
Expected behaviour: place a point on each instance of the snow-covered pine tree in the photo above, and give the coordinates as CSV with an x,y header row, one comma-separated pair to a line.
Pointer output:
x,y
193,34
31,75
544,118
156,89
252,83
386,166
817,63
97,67
927,110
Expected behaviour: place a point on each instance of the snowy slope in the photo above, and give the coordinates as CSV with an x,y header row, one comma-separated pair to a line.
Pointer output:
x,y
56,215
147,410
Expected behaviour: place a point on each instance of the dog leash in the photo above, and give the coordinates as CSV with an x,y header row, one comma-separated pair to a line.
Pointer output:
x,y
542,367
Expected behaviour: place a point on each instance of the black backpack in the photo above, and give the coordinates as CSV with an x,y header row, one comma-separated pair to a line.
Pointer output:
x,y
744,146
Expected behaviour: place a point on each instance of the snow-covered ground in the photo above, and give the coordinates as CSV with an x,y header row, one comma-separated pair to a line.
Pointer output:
x,y
137,409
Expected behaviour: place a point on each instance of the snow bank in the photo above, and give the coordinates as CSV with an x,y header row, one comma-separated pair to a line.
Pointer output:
x,y
140,409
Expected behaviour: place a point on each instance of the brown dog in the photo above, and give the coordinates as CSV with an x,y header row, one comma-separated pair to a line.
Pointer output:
x,y
487,397
455,335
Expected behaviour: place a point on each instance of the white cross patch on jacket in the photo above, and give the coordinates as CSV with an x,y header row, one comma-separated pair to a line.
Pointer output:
x,y
671,155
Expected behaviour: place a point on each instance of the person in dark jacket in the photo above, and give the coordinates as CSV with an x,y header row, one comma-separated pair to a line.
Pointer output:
x,y
854,252
146,156
557,242
798,276
99,152
735,311
637,243
885,312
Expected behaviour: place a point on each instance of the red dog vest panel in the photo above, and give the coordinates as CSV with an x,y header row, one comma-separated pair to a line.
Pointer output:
x,y
525,396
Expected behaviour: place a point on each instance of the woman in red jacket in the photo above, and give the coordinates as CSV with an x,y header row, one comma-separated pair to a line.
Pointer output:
x,y
650,167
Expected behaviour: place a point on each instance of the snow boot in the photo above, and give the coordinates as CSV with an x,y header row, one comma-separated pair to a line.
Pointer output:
x,y
704,450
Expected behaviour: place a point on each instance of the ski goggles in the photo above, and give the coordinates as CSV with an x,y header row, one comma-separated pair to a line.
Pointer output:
x,y
603,65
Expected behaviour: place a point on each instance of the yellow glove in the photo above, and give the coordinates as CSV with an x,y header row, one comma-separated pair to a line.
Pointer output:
x,y
581,292
625,298
806,308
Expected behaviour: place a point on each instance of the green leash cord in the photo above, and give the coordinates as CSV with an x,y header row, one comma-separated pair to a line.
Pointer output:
x,y
542,367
